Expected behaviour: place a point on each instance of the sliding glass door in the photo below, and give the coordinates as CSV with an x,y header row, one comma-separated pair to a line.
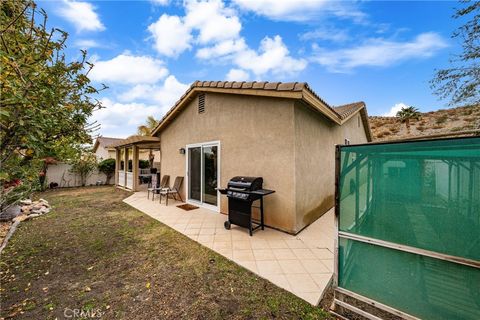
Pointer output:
x,y
194,173
203,173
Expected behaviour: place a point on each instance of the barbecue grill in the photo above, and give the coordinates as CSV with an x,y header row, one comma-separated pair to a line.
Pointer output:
x,y
241,193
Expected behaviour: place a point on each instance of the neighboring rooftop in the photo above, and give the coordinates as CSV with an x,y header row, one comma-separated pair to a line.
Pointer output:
x,y
106,142
289,90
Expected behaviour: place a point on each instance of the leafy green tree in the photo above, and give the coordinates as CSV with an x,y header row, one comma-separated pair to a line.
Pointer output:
x,y
84,166
406,114
461,81
45,99
107,166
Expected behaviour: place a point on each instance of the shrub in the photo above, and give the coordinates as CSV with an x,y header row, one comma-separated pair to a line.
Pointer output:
x,y
144,164
441,119
107,166
84,167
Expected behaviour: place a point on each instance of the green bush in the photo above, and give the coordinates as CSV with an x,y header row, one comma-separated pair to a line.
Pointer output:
x,y
107,166
144,164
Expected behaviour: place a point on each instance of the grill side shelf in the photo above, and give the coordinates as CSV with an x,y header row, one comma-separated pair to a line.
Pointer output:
x,y
263,192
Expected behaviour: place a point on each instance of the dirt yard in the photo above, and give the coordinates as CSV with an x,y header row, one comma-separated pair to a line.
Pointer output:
x,y
93,256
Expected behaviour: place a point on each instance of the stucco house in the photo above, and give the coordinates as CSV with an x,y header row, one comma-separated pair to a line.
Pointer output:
x,y
103,147
283,132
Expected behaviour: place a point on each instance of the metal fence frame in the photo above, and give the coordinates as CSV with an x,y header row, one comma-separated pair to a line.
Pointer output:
x,y
339,292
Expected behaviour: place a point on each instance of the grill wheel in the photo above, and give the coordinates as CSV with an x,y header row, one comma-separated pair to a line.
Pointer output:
x,y
227,225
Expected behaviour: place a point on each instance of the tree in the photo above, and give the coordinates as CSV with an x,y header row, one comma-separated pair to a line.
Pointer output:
x,y
461,82
146,130
107,166
408,113
45,98
84,167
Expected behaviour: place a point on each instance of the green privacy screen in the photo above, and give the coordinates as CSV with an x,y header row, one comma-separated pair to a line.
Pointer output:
x,y
424,195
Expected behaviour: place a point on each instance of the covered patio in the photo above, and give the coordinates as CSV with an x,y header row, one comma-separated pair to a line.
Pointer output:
x,y
302,264
128,174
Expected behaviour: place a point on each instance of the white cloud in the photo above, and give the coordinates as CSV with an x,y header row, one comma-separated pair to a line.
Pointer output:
x,y
164,95
129,69
218,29
379,52
171,35
273,56
160,2
212,19
121,118
222,49
138,92
82,15
393,110
167,94
326,33
87,43
237,75
301,10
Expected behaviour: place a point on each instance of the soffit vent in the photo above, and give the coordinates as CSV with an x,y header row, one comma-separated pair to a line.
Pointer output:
x,y
201,103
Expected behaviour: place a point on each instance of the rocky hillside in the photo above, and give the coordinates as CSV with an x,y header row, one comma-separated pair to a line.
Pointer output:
x,y
431,123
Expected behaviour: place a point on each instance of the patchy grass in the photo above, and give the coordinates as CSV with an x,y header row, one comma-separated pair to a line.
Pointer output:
x,y
98,255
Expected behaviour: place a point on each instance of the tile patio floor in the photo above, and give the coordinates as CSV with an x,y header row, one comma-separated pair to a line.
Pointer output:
x,y
301,264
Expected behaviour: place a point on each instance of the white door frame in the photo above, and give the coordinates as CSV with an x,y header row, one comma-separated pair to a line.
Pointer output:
x,y
195,202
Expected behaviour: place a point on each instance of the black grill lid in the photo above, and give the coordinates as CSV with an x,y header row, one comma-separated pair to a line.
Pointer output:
x,y
246,183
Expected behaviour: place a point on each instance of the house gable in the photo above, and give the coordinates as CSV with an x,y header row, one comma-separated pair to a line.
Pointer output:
x,y
291,90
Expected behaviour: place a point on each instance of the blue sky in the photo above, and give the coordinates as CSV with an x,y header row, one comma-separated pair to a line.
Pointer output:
x,y
148,52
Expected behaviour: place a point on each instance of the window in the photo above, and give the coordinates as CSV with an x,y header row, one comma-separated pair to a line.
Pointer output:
x,y
201,103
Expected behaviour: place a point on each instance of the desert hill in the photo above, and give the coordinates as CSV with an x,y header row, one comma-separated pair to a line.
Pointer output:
x,y
444,121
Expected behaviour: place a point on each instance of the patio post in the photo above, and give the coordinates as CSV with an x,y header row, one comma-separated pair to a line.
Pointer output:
x,y
125,166
135,165
117,165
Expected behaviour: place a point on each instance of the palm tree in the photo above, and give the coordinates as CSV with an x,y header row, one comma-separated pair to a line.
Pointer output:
x,y
146,130
408,113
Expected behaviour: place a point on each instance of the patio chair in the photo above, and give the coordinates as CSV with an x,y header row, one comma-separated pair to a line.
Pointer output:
x,y
153,187
175,191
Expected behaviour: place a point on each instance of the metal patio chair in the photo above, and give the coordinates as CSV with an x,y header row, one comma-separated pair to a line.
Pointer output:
x,y
154,189
174,191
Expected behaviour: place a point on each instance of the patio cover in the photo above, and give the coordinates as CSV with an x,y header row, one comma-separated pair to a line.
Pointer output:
x,y
147,142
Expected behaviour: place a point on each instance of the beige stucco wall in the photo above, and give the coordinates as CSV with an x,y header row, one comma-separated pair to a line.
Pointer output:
x,y
291,146
257,139
101,153
60,173
315,140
